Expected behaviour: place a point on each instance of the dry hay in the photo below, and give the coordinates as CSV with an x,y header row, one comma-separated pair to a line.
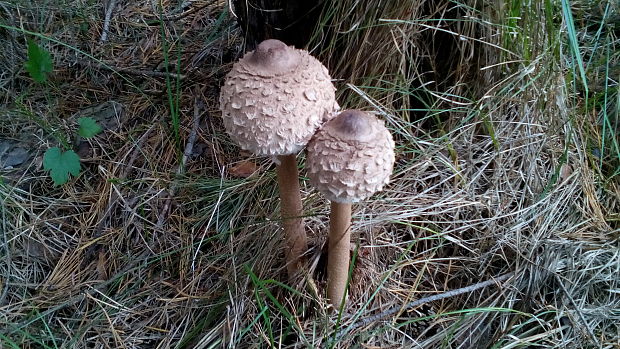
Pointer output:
x,y
145,250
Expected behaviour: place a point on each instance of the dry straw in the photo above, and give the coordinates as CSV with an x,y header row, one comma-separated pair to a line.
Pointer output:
x,y
498,170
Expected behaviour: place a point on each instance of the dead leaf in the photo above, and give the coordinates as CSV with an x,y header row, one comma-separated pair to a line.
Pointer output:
x,y
243,169
101,269
565,171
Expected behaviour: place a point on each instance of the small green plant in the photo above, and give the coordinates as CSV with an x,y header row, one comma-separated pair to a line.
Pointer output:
x,y
60,162
39,62
88,127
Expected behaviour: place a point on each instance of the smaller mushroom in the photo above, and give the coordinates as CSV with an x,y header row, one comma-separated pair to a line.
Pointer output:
x,y
348,160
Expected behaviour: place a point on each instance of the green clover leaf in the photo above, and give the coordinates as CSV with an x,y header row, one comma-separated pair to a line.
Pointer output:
x,y
88,127
39,62
61,164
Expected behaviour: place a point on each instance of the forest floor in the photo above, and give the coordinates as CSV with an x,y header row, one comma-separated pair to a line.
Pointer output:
x,y
506,124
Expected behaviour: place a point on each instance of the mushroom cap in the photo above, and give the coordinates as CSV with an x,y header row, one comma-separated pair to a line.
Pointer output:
x,y
351,157
275,98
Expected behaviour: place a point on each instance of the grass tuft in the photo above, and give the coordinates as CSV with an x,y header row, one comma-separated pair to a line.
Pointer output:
x,y
508,159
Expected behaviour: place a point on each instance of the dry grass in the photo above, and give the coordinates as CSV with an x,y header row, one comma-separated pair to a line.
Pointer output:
x,y
496,172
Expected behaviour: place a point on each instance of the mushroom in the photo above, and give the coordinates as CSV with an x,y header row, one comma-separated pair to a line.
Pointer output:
x,y
272,102
350,158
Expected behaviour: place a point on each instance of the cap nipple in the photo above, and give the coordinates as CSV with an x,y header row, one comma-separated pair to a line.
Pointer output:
x,y
273,57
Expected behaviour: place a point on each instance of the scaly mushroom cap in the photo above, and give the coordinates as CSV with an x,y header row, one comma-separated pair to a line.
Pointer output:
x,y
351,157
275,98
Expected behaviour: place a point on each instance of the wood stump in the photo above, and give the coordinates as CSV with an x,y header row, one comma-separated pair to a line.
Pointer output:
x,y
291,22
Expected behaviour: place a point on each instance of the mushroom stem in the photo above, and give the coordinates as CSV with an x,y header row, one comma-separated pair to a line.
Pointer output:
x,y
291,211
338,252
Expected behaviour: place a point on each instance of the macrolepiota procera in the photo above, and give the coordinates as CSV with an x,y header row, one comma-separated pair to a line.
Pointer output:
x,y
272,102
349,159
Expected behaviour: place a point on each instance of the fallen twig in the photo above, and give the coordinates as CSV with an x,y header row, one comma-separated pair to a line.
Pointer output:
x,y
157,74
131,71
179,16
198,107
106,22
436,297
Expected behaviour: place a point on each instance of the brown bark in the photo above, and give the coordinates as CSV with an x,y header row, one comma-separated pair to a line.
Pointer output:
x,y
291,211
291,22
338,252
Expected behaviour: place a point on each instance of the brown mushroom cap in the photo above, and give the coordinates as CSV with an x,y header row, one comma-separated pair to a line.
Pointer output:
x,y
351,157
275,98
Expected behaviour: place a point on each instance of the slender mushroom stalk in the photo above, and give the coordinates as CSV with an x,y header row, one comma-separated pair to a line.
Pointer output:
x,y
291,211
339,248
348,160
272,102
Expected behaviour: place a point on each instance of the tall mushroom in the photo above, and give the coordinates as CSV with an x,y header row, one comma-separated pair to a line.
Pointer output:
x,y
348,160
272,102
